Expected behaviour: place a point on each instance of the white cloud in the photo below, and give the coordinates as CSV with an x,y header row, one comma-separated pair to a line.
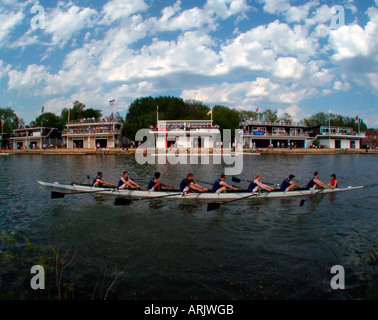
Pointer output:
x,y
294,111
9,20
341,86
288,67
4,69
30,79
226,8
349,42
276,6
244,94
120,9
62,25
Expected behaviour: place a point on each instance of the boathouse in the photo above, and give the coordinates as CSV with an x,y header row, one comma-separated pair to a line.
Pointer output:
x,y
93,133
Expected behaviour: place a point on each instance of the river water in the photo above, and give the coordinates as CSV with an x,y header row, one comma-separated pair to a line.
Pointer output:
x,y
171,249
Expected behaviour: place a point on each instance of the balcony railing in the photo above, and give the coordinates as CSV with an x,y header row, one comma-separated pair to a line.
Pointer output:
x,y
67,132
273,123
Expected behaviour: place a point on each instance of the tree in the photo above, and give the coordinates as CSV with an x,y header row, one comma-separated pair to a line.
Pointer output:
x,y
322,119
10,120
269,115
286,117
49,120
143,112
227,118
79,111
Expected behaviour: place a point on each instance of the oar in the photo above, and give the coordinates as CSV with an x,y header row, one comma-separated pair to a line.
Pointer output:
x,y
204,182
215,205
126,202
60,195
315,194
237,180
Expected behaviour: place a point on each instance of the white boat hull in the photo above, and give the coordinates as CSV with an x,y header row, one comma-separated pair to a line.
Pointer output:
x,y
179,195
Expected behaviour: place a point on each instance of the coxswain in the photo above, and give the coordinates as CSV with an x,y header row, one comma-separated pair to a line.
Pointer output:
x,y
125,182
99,182
155,184
334,183
288,184
220,185
257,185
315,182
188,184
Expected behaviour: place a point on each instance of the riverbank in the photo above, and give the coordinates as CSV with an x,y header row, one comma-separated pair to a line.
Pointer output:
x,y
132,151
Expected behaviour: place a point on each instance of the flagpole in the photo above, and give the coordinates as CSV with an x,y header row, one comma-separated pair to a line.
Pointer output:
x,y
211,116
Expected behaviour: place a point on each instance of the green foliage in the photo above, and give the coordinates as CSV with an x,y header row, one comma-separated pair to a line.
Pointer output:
x,y
10,120
142,112
79,111
322,119
49,120
227,118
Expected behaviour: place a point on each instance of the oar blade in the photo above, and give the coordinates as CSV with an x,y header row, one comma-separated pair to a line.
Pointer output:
x,y
235,180
302,203
57,195
213,206
122,202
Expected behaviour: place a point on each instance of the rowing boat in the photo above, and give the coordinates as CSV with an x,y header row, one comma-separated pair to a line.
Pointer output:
x,y
177,195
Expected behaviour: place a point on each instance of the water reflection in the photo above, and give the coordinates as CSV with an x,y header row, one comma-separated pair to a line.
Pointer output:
x,y
169,244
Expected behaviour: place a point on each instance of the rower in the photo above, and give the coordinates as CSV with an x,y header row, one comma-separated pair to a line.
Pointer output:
x,y
288,184
125,182
155,184
334,183
99,182
257,185
188,184
220,185
315,182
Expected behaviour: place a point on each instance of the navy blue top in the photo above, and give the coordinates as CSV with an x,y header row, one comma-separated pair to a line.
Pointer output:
x,y
151,183
120,182
285,184
252,186
184,183
216,185
94,180
311,183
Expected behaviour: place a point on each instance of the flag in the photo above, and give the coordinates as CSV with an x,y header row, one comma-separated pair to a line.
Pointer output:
x,y
356,118
257,110
43,109
210,112
274,112
112,102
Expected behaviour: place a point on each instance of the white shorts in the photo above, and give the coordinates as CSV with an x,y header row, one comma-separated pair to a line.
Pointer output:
x,y
255,189
218,191
186,190
152,189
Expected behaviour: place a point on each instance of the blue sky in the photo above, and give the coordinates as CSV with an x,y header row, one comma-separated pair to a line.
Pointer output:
x,y
301,57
